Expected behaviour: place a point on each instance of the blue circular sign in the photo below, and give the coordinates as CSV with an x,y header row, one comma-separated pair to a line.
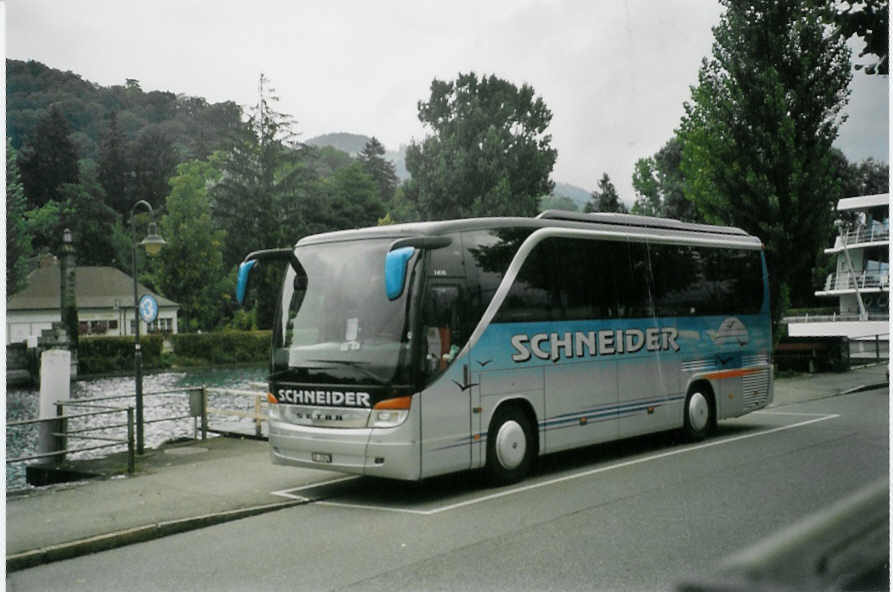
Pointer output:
x,y
148,308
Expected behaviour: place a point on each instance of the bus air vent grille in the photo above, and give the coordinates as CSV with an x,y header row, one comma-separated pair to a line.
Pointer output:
x,y
756,390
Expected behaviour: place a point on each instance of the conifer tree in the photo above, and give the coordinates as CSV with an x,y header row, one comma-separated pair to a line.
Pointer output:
x,y
605,198
113,169
18,238
48,159
263,198
382,171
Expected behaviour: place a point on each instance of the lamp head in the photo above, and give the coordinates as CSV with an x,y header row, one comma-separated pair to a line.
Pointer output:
x,y
153,241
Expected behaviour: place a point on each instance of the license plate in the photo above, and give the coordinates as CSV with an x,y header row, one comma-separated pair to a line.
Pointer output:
x,y
321,457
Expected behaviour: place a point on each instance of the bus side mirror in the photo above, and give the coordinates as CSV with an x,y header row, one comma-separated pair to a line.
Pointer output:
x,y
242,283
395,264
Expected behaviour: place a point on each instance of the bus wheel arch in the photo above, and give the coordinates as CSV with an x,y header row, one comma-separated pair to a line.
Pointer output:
x,y
512,442
699,411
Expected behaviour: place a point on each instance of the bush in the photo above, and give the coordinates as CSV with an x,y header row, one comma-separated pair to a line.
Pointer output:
x,y
98,355
228,347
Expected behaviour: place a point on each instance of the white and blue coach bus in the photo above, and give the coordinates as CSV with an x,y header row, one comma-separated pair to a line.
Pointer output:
x,y
414,350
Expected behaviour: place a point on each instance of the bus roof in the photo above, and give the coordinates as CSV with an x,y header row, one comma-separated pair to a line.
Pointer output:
x,y
547,219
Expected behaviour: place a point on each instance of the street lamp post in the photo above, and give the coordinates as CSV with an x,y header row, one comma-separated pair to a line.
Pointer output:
x,y
153,243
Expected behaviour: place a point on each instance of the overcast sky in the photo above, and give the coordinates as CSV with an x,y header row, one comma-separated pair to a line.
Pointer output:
x,y
614,73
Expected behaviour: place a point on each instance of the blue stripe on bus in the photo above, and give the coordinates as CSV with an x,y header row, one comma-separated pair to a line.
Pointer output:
x,y
598,414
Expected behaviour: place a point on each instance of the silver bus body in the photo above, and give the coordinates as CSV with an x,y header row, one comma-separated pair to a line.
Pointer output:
x,y
575,382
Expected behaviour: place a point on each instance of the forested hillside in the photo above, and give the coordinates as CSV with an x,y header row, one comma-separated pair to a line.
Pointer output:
x,y
193,127
353,144
220,182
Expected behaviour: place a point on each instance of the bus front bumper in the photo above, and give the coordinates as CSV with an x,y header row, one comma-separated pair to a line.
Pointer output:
x,y
379,452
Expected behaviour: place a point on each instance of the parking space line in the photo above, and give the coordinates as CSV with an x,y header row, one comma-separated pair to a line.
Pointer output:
x,y
586,473
289,492
763,412
376,508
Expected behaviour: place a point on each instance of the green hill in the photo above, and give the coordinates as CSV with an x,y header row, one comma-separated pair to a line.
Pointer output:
x,y
579,195
193,126
353,144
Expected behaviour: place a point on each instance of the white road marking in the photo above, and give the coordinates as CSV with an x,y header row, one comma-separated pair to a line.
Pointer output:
x,y
586,473
289,492
789,413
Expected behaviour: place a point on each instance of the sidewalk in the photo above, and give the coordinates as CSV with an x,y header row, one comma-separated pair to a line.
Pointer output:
x,y
190,485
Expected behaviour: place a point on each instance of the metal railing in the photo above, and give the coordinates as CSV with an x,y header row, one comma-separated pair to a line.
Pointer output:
x,y
863,235
197,400
256,414
853,281
59,430
837,317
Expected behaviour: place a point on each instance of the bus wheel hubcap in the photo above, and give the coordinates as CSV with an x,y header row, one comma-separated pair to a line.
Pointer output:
x,y
511,444
698,412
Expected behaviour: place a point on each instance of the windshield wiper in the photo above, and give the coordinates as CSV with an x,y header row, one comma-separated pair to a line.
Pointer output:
x,y
357,365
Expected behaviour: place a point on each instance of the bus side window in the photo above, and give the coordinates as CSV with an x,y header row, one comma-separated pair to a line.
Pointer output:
x,y
445,326
678,280
632,279
585,277
534,296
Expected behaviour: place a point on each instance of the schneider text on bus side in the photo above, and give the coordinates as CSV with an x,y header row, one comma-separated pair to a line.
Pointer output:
x,y
605,342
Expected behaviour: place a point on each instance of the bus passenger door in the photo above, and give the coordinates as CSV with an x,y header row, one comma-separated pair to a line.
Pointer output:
x,y
446,399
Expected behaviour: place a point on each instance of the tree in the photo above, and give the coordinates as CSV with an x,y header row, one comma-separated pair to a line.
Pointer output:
x,y
867,19
660,185
488,155
18,237
48,159
353,199
153,163
91,221
191,264
382,171
262,199
868,177
605,198
113,168
757,134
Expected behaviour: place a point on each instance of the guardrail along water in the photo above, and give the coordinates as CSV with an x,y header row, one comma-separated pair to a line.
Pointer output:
x,y
231,401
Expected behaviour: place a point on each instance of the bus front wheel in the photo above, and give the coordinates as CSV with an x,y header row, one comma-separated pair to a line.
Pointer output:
x,y
699,414
510,446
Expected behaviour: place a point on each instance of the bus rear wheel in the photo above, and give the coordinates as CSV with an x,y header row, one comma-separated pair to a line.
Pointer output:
x,y
510,446
699,414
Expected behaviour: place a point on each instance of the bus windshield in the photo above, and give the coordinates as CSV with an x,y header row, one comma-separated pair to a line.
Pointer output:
x,y
336,324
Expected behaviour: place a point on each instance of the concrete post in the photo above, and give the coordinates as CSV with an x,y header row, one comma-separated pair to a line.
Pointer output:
x,y
55,386
68,298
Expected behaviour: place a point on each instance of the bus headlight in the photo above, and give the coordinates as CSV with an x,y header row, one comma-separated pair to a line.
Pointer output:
x,y
390,412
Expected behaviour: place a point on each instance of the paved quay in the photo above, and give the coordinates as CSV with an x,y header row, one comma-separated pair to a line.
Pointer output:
x,y
188,485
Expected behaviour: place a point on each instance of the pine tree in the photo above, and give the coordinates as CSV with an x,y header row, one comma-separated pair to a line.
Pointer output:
x,y
48,159
605,198
153,163
382,171
113,168
262,200
18,238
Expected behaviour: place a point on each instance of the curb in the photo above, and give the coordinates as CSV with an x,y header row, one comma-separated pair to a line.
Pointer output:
x,y
139,534
864,387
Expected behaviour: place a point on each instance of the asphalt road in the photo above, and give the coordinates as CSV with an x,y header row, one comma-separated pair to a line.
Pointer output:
x,y
640,514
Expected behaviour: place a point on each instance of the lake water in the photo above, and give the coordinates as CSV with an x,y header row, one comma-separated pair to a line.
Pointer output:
x,y
24,404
